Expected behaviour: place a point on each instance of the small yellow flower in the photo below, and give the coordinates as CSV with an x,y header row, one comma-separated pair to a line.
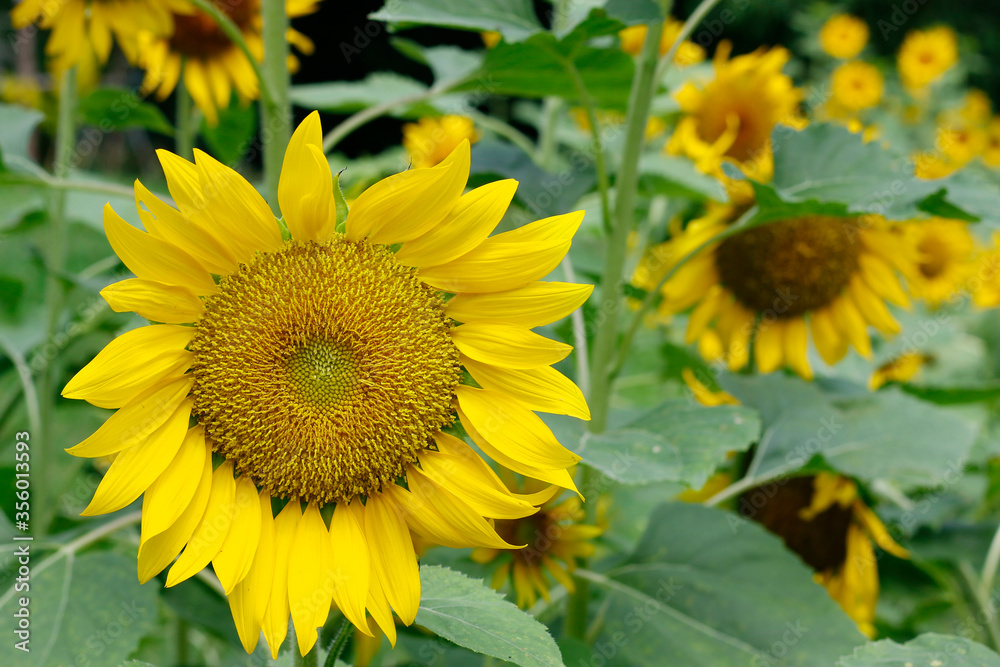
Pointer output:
x,y
987,288
856,86
925,55
688,53
901,369
934,164
431,140
959,140
977,107
944,251
843,36
21,90
491,38
991,147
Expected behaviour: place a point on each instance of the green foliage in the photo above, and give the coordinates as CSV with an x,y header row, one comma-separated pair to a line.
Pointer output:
x,y
514,19
929,649
116,109
232,137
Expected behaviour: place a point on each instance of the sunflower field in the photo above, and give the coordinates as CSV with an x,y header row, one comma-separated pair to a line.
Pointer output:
x,y
499,332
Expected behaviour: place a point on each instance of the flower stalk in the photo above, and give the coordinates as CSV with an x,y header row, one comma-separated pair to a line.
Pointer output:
x,y
276,109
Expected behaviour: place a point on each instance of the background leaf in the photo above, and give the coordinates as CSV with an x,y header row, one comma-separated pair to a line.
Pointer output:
x,y
514,19
929,649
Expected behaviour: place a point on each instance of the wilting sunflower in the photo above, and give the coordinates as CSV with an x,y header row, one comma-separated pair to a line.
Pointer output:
x,y
431,140
212,65
925,55
555,537
322,368
843,36
824,521
855,86
944,251
771,285
82,29
733,115
688,53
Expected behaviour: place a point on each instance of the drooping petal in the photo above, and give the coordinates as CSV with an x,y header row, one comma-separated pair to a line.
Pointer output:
x,y
249,599
166,499
132,364
158,302
455,474
769,346
507,345
830,344
851,324
211,532
235,558
872,308
310,578
797,347
530,306
350,562
136,468
275,624
542,389
393,559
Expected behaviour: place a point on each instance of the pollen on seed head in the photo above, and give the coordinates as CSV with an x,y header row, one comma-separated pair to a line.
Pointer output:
x,y
322,370
789,267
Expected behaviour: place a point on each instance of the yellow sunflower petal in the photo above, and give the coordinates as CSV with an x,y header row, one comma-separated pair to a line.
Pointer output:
x,y
512,428
136,421
405,206
136,468
456,475
704,313
796,347
208,537
167,497
850,323
467,225
880,277
769,345
542,389
830,344
507,345
157,552
157,302
872,308
153,259
350,562
249,599
233,562
530,306
305,188
310,588
378,604
275,624
132,364
393,559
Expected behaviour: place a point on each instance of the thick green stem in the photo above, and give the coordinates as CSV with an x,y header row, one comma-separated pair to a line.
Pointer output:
x,y
551,108
276,110
184,134
55,288
603,184
339,642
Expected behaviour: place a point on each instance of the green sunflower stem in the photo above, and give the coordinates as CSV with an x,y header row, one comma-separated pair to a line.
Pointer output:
x,y
55,288
184,134
276,110
605,343
339,643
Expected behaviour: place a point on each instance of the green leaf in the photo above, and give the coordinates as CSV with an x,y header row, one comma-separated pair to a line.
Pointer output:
x,y
826,169
886,435
678,177
340,202
927,650
447,63
231,138
677,442
17,126
87,609
470,614
537,67
705,587
514,19
112,109
965,195
970,393
351,96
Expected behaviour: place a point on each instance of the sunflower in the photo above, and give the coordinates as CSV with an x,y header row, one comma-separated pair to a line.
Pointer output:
x,y
901,369
944,251
925,55
212,65
977,107
823,520
555,537
431,140
688,53
771,285
321,368
733,115
843,36
83,29
855,86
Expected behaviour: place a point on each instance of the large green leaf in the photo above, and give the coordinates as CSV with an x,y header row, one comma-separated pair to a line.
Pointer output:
x,y
694,592
886,435
677,442
470,614
514,19
111,109
675,176
928,650
17,126
84,610
351,96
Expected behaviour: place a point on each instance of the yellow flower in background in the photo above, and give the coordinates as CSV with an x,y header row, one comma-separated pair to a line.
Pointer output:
x,y
934,164
703,394
824,521
213,67
991,144
654,126
491,38
431,140
23,91
322,367
925,55
843,36
901,369
986,292
944,251
976,107
82,29
555,537
856,86
733,115
959,140
773,285
688,53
